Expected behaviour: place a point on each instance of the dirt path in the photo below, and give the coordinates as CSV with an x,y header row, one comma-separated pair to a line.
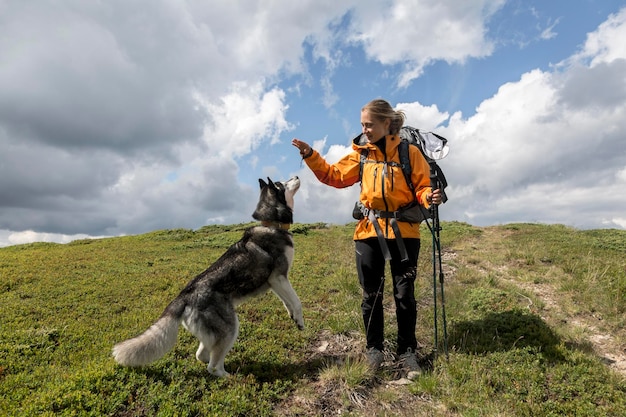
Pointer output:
x,y
610,348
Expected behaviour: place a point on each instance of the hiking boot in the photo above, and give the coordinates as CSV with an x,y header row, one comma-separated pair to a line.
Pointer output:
x,y
408,361
375,358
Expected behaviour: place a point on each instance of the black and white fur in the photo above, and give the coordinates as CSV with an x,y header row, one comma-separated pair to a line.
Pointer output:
x,y
261,260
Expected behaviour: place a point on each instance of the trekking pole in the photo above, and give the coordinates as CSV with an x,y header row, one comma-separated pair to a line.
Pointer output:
x,y
434,147
436,341
437,264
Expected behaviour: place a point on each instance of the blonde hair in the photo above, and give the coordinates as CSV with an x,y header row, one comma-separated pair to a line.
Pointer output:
x,y
381,110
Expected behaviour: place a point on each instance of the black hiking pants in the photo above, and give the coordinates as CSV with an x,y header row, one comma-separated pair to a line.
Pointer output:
x,y
370,264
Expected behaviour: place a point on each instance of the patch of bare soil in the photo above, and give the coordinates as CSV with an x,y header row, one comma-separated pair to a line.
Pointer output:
x,y
606,346
385,394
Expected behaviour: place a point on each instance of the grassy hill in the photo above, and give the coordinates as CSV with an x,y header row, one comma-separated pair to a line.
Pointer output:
x,y
535,318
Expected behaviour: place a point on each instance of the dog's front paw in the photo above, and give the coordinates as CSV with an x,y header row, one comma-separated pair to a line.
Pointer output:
x,y
299,322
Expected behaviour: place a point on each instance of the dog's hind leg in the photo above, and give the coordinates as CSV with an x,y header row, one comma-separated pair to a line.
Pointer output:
x,y
217,330
281,286
220,349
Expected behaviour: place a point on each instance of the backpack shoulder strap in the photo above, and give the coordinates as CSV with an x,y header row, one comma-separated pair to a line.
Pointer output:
x,y
405,163
364,153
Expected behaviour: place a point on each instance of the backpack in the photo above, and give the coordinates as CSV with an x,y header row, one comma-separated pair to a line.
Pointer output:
x,y
432,146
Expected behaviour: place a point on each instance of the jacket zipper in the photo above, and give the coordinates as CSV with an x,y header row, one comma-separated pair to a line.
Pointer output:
x,y
375,175
382,184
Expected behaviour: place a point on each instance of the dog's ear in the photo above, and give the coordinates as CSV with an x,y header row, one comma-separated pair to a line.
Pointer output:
x,y
270,182
262,183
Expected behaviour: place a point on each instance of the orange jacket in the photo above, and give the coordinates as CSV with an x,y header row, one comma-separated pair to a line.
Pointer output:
x,y
383,186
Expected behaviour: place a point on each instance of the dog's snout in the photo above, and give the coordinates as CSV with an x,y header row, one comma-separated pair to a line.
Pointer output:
x,y
294,181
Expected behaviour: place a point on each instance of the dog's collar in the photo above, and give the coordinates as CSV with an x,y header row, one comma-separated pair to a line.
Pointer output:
x,y
277,225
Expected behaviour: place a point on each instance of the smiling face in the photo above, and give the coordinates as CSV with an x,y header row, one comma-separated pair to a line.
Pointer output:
x,y
374,128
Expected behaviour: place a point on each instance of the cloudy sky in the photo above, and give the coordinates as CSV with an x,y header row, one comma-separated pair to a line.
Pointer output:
x,y
123,117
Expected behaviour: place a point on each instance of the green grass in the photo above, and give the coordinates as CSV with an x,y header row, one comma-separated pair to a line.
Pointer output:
x,y
515,298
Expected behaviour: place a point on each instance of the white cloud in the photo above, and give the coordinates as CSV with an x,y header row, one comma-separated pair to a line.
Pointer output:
x,y
29,236
110,124
548,32
606,44
540,151
414,34
618,221
244,118
424,117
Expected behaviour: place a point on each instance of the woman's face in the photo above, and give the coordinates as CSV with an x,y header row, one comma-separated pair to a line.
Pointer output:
x,y
373,128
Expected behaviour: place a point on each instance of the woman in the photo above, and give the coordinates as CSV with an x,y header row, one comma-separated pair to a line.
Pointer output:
x,y
383,188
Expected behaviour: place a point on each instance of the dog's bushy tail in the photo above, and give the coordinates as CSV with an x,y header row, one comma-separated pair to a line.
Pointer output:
x,y
151,344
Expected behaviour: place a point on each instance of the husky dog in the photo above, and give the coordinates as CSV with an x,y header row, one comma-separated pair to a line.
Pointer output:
x,y
206,306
